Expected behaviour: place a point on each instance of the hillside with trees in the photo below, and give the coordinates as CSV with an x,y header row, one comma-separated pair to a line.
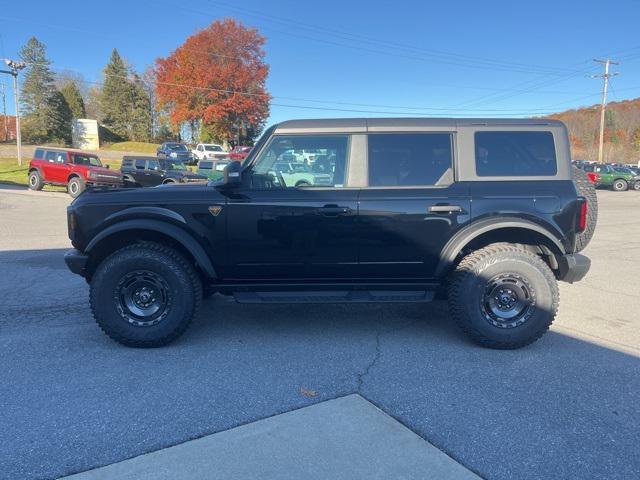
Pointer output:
x,y
622,131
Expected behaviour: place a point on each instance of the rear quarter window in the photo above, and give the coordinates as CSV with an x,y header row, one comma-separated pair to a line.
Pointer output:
x,y
515,154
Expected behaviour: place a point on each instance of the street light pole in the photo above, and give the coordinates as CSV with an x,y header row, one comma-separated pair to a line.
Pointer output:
x,y
15,68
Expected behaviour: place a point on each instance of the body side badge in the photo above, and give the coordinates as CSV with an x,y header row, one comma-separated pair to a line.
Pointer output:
x,y
215,210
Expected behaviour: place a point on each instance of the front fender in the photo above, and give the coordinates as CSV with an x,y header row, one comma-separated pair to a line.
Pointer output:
x,y
178,234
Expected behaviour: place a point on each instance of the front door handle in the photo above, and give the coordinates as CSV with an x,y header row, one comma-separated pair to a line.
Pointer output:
x,y
445,208
333,210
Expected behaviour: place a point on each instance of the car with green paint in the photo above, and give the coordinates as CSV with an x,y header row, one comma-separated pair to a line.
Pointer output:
x,y
609,176
213,168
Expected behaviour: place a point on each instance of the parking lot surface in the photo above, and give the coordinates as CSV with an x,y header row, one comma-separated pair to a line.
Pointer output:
x,y
71,400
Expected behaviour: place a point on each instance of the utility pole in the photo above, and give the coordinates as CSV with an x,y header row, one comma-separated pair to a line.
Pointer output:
x,y
15,68
608,62
4,112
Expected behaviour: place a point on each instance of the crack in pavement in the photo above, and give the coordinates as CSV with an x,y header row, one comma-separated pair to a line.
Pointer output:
x,y
378,353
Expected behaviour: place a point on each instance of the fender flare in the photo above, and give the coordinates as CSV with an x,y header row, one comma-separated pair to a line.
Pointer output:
x,y
176,233
463,237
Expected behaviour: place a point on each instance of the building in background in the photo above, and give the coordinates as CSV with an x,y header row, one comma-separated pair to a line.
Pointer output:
x,y
7,128
85,135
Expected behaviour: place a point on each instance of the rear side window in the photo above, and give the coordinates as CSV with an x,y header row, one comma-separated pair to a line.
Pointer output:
x,y
140,164
410,159
39,155
515,154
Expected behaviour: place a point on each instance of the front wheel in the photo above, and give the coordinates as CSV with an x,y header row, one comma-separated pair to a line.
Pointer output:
x,y
503,296
75,187
636,185
620,185
145,295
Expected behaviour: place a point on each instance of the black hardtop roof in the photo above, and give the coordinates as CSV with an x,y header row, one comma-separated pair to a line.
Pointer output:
x,y
365,123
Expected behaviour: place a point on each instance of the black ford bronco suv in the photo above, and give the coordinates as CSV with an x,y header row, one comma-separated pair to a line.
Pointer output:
x,y
487,213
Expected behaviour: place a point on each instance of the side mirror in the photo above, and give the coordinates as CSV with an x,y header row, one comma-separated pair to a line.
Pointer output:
x,y
233,173
108,167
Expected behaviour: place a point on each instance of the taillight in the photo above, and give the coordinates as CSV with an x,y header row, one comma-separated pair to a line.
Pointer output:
x,y
582,219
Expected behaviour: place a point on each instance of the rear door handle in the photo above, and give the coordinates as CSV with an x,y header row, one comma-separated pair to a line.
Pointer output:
x,y
445,208
333,210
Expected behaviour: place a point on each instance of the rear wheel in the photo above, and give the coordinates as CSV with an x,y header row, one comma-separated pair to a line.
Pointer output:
x,y
503,296
35,180
586,189
636,185
145,295
75,186
620,185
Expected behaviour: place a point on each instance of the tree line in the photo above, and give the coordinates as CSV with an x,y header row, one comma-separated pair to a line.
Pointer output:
x,y
621,135
211,88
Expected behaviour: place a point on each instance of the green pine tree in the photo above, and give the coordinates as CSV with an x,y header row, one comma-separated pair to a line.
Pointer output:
x,y
115,96
37,91
74,99
140,112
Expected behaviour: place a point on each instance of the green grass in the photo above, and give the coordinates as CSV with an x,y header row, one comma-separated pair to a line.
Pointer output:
x,y
141,147
11,173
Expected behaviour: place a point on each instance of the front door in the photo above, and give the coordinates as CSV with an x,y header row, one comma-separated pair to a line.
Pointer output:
x,y
412,204
277,230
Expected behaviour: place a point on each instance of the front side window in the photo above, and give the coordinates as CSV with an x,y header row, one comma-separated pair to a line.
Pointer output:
x,y
140,164
515,154
213,148
88,160
280,166
410,159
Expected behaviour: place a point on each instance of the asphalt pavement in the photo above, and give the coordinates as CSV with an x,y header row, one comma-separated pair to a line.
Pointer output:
x,y
72,400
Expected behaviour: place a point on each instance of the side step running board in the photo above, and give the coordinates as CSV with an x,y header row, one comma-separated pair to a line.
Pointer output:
x,y
346,296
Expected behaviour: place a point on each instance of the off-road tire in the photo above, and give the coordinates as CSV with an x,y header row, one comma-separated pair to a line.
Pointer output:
x,y
586,189
471,280
184,294
76,186
36,182
636,185
620,185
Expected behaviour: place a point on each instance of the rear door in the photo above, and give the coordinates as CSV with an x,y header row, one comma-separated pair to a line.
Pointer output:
x,y
278,231
411,206
57,167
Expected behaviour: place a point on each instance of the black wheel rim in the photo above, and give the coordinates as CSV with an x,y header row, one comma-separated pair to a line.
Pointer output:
x,y
508,301
142,298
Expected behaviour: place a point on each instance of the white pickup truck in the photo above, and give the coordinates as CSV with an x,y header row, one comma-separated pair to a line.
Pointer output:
x,y
205,151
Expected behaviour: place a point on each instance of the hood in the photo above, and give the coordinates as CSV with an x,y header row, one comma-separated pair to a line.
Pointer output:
x,y
105,171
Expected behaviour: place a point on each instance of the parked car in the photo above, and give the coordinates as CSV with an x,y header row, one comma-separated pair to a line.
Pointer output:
x,y
73,169
394,224
298,174
209,150
175,151
609,177
214,168
150,171
239,152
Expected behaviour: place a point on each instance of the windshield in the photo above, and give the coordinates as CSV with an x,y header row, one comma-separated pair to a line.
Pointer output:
x,y
213,148
87,160
174,165
177,147
623,170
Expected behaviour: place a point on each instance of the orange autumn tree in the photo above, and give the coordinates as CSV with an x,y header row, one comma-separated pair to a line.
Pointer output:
x,y
217,77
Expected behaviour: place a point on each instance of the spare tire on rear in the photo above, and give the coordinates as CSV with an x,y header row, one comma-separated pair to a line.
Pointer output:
x,y
586,189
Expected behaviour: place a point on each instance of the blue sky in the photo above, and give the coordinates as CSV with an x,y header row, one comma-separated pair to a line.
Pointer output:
x,y
361,58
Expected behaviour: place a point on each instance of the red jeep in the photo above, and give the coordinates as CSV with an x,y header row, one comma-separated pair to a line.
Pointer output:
x,y
73,169
239,152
